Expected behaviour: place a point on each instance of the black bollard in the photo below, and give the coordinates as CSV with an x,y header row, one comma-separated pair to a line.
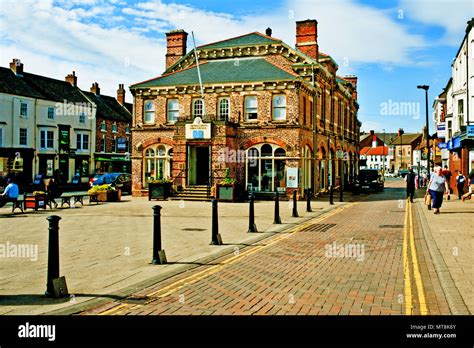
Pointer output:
x,y
331,195
341,194
277,219
252,225
295,206
159,256
216,237
55,286
308,200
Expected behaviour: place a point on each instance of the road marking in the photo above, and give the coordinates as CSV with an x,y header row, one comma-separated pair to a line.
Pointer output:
x,y
173,287
406,266
416,269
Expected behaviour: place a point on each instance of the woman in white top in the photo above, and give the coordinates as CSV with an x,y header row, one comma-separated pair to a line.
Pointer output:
x,y
437,187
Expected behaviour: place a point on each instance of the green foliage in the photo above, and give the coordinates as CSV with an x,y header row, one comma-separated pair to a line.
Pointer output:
x,y
101,188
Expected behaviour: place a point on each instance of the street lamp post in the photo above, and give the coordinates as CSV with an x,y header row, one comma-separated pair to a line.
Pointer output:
x,y
427,134
384,158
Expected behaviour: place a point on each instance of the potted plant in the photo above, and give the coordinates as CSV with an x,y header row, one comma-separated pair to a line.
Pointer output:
x,y
225,189
159,189
105,193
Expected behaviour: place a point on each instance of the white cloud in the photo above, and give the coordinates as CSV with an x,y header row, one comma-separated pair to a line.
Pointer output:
x,y
90,36
451,15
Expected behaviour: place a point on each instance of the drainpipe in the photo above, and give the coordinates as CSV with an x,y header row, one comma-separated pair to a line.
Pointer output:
x,y
315,134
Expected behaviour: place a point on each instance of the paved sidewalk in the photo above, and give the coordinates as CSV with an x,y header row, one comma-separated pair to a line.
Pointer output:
x,y
105,250
347,262
449,236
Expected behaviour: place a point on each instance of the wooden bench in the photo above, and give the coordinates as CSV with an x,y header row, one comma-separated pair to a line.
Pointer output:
x,y
18,203
78,197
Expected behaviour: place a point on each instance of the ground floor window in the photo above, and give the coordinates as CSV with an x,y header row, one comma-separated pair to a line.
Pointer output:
x,y
266,168
157,163
81,166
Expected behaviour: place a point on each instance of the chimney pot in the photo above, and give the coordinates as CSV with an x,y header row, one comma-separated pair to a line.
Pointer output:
x,y
95,88
353,81
176,41
17,67
72,79
121,94
268,32
307,37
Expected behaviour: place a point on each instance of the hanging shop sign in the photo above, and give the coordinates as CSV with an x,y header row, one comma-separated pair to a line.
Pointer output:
x,y
441,130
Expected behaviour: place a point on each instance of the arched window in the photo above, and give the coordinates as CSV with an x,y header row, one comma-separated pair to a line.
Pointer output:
x,y
224,109
198,107
157,163
265,166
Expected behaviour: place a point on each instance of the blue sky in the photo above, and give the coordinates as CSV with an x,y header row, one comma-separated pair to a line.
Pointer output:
x,y
391,46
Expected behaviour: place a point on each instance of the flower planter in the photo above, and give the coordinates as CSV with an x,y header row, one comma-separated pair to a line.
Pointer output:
x,y
109,196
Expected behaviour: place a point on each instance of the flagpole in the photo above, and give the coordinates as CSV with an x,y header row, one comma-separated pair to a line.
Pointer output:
x,y
199,75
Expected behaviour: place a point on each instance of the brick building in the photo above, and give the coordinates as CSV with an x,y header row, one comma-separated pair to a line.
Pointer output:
x,y
113,134
275,116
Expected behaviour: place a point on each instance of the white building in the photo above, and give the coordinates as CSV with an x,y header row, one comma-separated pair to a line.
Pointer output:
x,y
47,126
377,157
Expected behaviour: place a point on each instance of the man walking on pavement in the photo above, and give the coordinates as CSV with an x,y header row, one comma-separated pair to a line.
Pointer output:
x,y
447,173
460,180
410,179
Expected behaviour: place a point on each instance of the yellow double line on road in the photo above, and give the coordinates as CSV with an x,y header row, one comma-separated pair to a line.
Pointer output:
x,y
172,288
409,241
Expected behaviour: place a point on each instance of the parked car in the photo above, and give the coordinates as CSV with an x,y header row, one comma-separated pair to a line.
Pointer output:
x,y
121,181
390,175
369,179
93,178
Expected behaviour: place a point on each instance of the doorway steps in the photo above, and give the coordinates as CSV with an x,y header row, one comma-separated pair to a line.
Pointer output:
x,y
192,193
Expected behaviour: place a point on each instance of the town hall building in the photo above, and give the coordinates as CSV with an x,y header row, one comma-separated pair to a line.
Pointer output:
x,y
270,116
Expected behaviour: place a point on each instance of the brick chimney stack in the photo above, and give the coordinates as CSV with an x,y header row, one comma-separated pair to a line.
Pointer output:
x,y
175,46
72,79
353,80
121,94
17,67
95,88
307,37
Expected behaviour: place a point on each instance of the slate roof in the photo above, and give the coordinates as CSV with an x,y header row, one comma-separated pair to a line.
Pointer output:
x,y
40,87
222,71
255,38
406,139
109,108
12,84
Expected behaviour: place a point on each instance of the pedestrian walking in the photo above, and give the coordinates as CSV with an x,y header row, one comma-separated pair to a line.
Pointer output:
x,y
410,179
437,187
460,181
447,174
471,186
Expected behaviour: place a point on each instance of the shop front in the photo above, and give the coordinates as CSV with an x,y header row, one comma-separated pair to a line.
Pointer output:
x,y
112,163
18,163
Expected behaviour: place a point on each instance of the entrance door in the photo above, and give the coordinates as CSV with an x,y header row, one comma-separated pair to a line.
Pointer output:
x,y
198,165
63,168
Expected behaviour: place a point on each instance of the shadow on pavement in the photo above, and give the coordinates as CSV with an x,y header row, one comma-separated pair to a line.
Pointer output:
x,y
36,299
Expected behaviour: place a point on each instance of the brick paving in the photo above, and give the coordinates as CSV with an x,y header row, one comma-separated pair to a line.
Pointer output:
x,y
105,250
450,234
295,274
